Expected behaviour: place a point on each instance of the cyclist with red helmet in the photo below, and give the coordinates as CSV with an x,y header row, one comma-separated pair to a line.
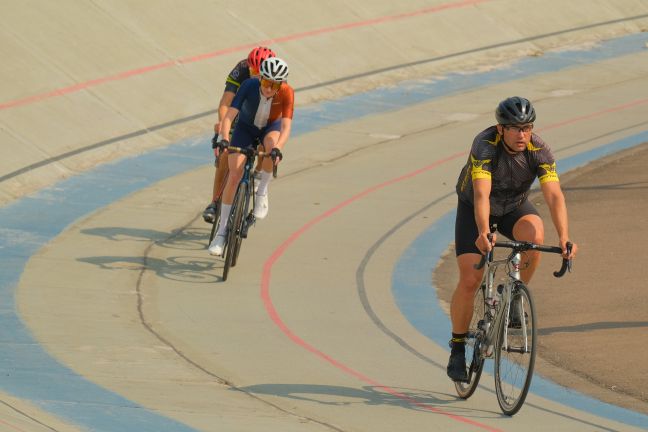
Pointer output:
x,y
264,108
243,70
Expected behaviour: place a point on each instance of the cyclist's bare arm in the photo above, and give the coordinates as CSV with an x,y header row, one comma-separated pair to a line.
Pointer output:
x,y
286,126
226,124
223,105
481,190
555,199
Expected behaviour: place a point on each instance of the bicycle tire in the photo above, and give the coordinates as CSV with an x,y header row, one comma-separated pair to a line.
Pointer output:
x,y
239,239
215,223
515,351
474,359
234,230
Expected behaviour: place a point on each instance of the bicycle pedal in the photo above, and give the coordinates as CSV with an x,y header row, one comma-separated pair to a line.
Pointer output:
x,y
250,220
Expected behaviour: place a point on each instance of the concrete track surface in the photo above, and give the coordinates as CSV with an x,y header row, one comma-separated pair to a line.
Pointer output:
x,y
114,318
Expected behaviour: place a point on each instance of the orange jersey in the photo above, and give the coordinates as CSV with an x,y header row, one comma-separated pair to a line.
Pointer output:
x,y
259,111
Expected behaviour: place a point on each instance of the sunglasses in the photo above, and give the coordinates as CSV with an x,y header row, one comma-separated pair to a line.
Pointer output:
x,y
270,84
253,71
524,129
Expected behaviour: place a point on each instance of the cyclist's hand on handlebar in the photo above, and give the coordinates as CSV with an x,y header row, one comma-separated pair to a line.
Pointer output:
x,y
568,253
485,242
215,144
219,146
276,155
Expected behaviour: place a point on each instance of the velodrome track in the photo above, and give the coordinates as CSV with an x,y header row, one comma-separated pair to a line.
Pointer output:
x,y
117,318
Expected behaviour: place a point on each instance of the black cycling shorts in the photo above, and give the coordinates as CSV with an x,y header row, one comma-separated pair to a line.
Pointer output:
x,y
466,231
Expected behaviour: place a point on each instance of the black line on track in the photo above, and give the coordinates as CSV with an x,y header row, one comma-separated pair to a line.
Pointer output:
x,y
24,414
186,358
181,120
364,299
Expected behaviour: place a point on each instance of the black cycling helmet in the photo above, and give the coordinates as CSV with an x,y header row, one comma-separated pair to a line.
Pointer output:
x,y
515,110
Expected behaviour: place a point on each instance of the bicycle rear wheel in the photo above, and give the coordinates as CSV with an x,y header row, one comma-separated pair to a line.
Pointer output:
x,y
234,230
515,351
474,360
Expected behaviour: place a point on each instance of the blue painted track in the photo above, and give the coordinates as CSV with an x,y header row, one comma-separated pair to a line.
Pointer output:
x,y
27,224
417,299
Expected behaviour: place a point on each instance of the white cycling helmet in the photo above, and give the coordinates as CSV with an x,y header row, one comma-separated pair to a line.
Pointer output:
x,y
274,69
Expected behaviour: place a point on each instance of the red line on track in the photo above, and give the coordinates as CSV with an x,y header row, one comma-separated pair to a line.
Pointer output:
x,y
267,269
274,315
14,427
596,114
140,71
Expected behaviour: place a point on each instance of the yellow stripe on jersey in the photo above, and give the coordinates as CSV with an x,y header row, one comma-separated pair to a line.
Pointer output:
x,y
231,81
550,174
531,147
478,171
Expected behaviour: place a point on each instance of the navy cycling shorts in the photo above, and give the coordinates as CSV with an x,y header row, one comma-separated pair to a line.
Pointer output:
x,y
245,136
466,231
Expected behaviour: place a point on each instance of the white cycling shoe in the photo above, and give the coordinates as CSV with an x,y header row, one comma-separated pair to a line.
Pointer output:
x,y
257,179
217,245
261,206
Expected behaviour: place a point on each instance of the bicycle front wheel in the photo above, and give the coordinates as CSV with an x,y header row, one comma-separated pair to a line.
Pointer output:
x,y
239,238
234,230
474,338
216,220
515,351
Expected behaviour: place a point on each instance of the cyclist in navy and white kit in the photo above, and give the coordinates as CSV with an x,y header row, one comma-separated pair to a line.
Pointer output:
x,y
493,188
243,70
265,110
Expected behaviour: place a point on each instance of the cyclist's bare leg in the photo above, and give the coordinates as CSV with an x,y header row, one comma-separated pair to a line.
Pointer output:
x,y
461,306
259,161
269,142
235,164
529,228
219,176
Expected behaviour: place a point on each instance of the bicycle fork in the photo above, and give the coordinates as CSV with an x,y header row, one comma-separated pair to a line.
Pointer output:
x,y
490,321
249,219
514,308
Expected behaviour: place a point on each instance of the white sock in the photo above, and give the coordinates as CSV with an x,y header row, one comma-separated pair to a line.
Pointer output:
x,y
226,209
264,182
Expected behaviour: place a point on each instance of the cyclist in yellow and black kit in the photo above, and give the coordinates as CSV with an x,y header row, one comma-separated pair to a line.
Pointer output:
x,y
492,188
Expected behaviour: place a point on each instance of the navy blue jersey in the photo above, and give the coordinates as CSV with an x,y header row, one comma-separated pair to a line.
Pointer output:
x,y
259,111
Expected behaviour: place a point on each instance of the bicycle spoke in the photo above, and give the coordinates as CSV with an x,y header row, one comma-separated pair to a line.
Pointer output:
x,y
515,352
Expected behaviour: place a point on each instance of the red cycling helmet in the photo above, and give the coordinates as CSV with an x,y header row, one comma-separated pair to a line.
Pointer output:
x,y
257,55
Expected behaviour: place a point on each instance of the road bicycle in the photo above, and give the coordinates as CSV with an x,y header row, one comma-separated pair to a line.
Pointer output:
x,y
503,326
242,214
217,203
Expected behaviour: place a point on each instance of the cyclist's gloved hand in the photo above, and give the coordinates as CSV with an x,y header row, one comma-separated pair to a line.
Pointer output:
x,y
220,146
215,141
275,154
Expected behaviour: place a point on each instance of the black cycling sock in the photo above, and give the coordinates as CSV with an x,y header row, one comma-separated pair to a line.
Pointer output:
x,y
458,343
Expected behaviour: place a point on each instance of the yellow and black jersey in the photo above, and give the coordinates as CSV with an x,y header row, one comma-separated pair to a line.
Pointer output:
x,y
511,175
240,73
